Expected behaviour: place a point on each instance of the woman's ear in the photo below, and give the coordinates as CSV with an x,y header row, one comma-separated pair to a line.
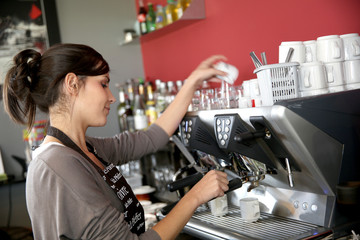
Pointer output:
x,y
71,83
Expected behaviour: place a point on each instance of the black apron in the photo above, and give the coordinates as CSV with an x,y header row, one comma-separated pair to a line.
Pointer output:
x,y
134,212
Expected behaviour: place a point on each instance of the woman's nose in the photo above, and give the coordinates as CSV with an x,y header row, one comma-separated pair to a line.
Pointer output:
x,y
112,99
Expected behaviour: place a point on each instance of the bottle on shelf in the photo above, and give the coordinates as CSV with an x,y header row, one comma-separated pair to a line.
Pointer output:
x,y
130,91
151,18
121,109
180,8
141,18
150,105
171,92
160,17
142,90
140,118
171,15
129,116
161,99
179,84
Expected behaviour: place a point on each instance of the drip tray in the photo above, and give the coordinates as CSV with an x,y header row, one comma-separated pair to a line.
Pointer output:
x,y
206,226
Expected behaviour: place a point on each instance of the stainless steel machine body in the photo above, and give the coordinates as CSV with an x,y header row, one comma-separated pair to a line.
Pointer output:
x,y
317,138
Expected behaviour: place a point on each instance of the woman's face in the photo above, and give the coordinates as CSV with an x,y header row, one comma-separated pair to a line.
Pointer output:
x,y
92,105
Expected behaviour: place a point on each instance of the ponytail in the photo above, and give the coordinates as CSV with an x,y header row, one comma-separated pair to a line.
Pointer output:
x,y
20,81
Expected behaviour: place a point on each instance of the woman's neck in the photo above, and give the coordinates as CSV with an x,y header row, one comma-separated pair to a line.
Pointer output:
x,y
75,132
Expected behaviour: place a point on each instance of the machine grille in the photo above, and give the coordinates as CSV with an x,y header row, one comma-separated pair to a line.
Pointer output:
x,y
267,227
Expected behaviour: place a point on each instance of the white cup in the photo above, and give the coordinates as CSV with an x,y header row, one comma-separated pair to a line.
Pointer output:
x,y
351,46
250,209
310,51
254,88
298,54
312,79
335,76
246,88
330,49
244,102
352,74
255,93
232,72
219,206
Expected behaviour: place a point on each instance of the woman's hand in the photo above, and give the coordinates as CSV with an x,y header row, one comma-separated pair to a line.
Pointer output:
x,y
205,71
212,185
171,117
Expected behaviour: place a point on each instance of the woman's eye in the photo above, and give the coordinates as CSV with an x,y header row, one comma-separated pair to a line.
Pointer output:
x,y
104,85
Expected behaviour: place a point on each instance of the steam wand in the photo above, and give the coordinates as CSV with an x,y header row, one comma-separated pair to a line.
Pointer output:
x,y
291,181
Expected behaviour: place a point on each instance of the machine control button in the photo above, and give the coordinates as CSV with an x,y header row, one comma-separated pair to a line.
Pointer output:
x,y
305,205
186,141
222,142
189,129
296,204
227,129
190,123
219,136
219,129
183,123
227,121
314,207
225,136
188,135
218,122
183,129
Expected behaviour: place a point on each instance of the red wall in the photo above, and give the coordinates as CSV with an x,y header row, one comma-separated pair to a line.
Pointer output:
x,y
234,28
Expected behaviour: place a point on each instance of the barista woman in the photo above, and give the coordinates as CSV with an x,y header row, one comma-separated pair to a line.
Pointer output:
x,y
73,190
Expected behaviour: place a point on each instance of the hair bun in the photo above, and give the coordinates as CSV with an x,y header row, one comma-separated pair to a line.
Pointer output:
x,y
27,64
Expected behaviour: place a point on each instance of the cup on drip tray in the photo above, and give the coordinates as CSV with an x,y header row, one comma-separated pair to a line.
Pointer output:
x,y
250,209
219,206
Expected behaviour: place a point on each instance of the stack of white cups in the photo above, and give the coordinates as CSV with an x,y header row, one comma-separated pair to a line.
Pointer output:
x,y
313,78
330,51
329,64
312,74
352,60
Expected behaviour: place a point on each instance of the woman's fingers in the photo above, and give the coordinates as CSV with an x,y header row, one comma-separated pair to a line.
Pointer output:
x,y
209,62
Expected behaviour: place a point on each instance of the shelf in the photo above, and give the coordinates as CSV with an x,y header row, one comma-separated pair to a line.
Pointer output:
x,y
196,11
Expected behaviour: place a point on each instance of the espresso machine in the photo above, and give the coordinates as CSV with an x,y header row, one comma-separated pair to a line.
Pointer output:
x,y
300,158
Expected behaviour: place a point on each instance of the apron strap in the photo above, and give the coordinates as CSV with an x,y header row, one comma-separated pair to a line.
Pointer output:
x,y
134,212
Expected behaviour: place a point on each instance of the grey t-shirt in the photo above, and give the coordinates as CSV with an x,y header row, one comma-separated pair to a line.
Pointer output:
x,y
68,199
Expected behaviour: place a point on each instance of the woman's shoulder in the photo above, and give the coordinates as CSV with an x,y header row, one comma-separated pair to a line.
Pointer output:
x,y
66,169
59,159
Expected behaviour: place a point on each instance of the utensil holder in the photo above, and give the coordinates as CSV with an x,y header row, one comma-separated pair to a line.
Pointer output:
x,y
278,82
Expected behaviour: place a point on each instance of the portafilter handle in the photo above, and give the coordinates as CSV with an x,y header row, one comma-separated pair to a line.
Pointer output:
x,y
185,182
233,185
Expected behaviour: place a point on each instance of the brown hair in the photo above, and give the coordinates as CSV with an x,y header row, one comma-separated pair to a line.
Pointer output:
x,y
34,80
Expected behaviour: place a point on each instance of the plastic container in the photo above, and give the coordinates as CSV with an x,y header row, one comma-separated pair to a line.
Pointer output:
x,y
278,82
